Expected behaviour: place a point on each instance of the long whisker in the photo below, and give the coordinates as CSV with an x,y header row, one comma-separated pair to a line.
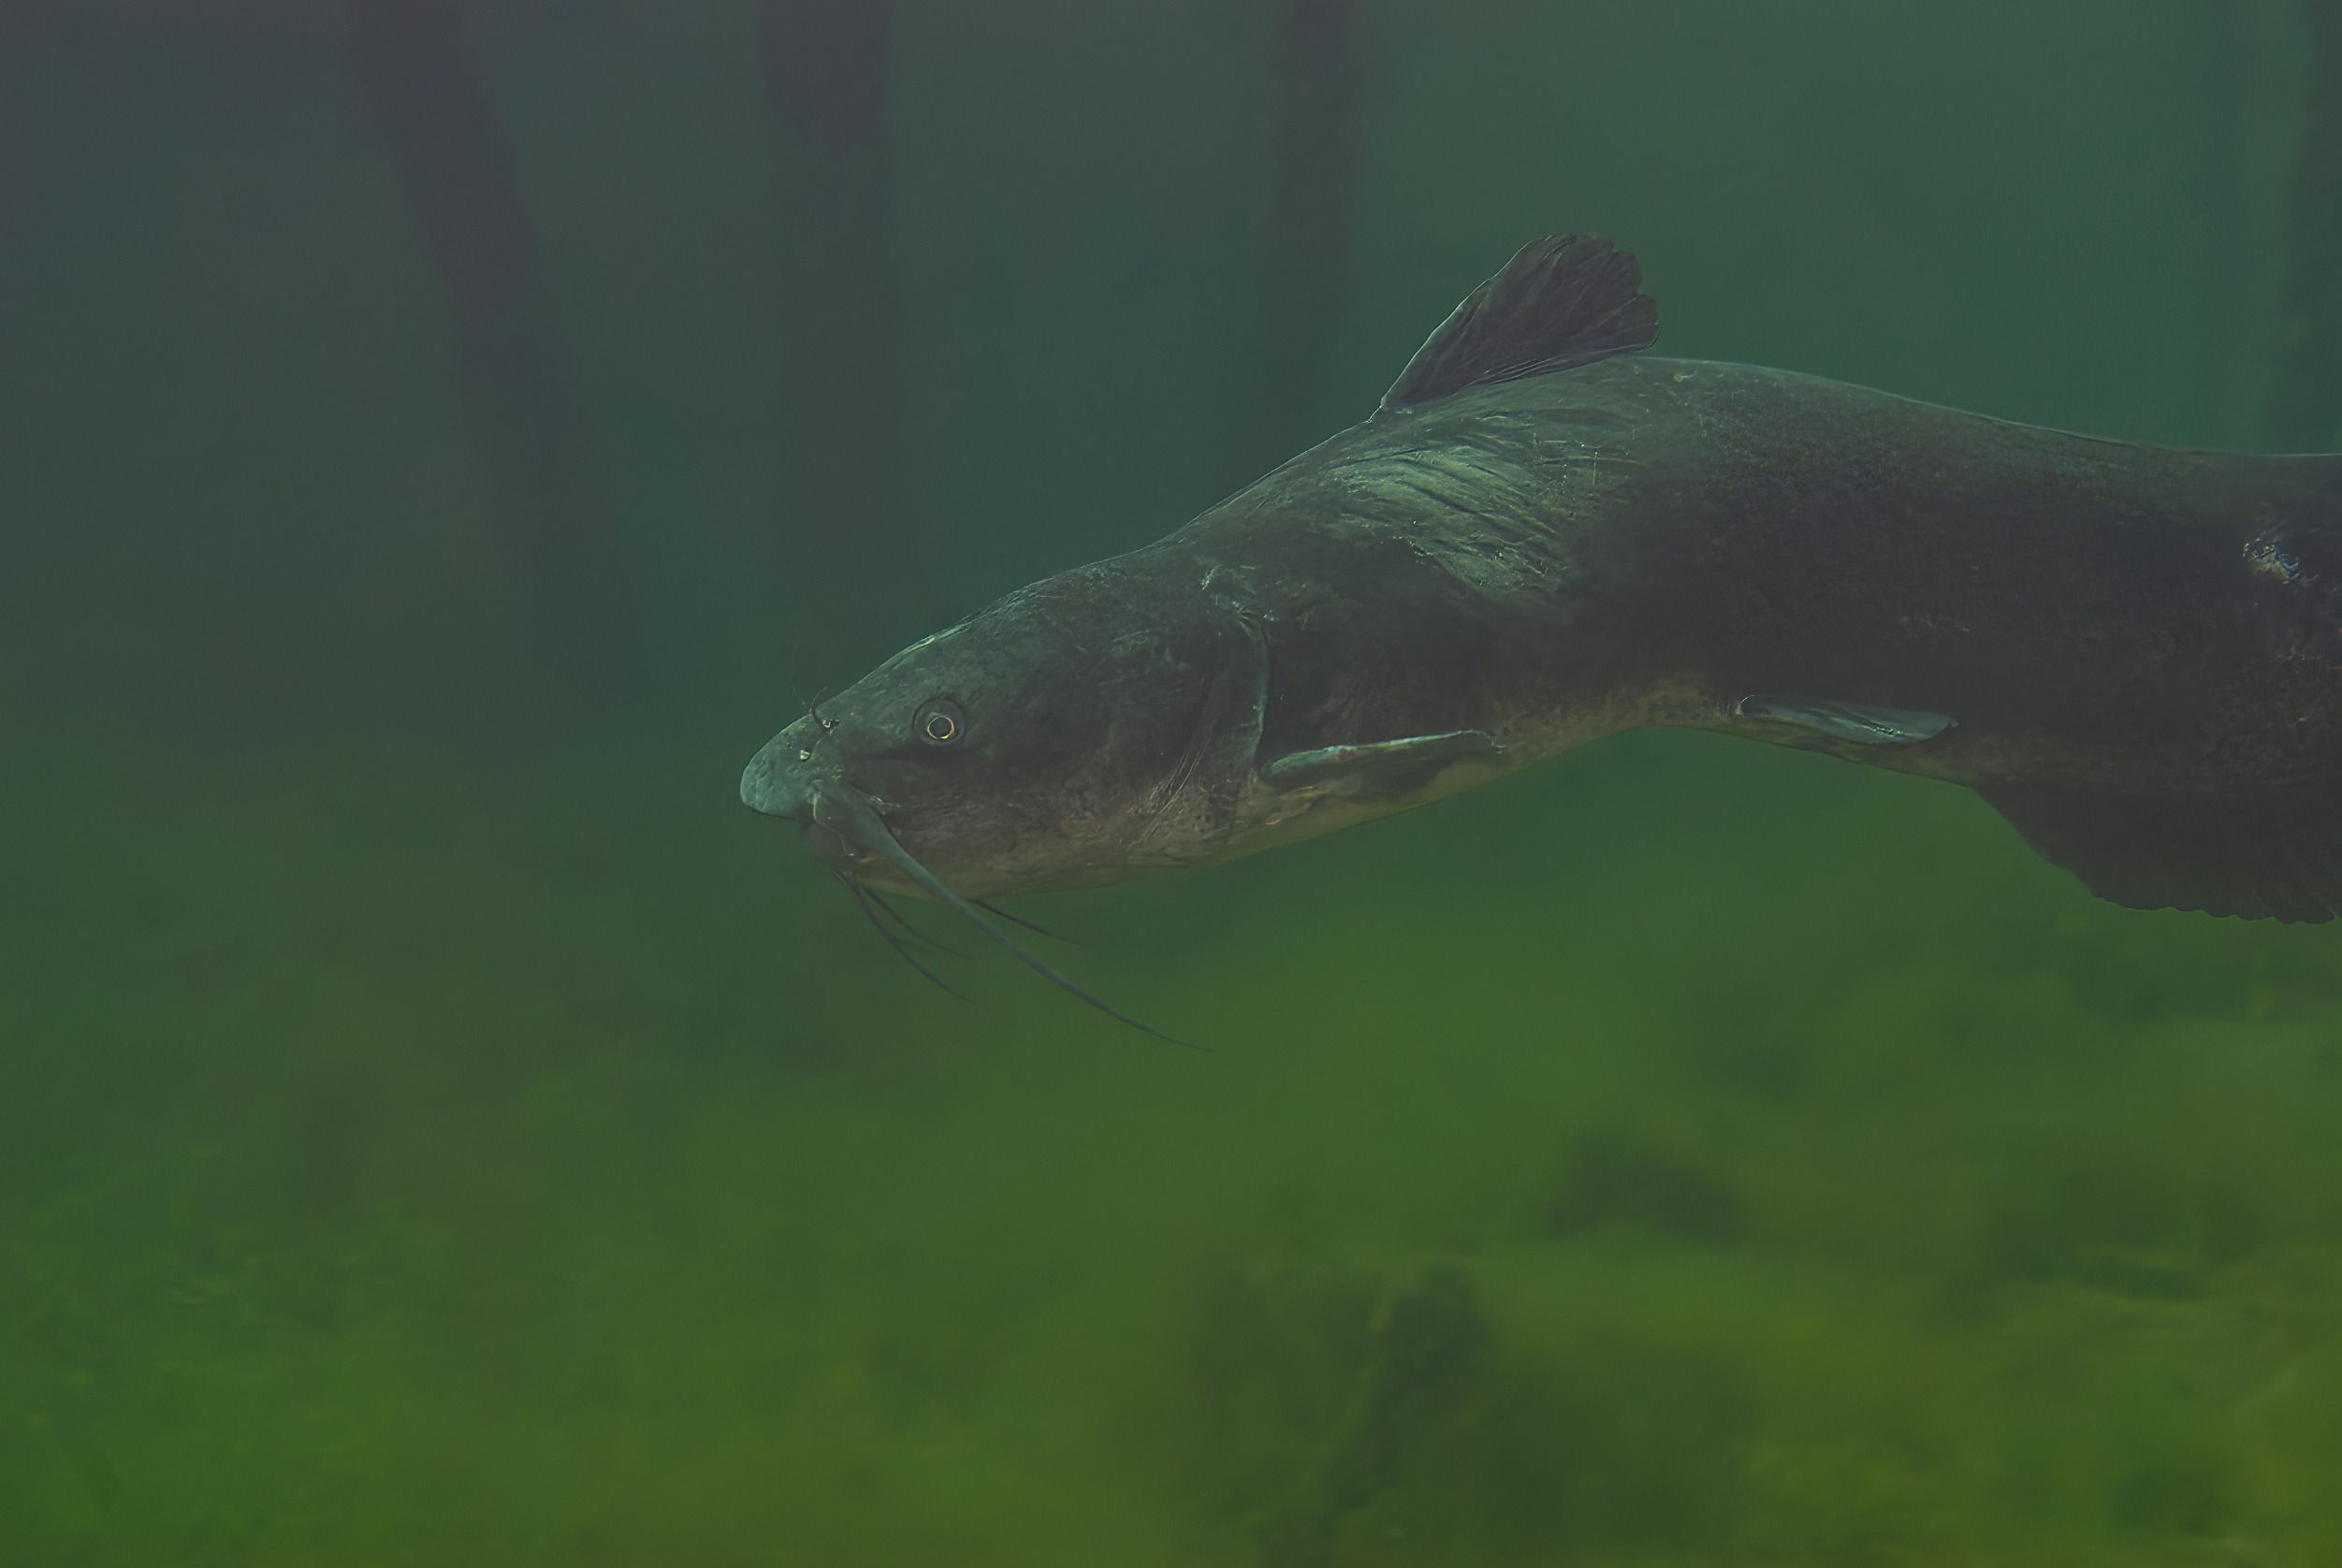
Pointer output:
x,y
904,921
862,901
1020,919
853,820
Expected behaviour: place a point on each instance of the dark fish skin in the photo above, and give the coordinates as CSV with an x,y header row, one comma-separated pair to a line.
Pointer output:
x,y
2103,615
1544,537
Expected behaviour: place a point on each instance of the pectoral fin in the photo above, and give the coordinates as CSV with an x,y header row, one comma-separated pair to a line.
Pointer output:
x,y
1859,723
1391,768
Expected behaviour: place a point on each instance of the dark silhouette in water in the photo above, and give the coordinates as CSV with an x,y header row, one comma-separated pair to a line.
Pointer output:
x,y
25,25
559,536
825,67
1312,160
1544,537
2307,402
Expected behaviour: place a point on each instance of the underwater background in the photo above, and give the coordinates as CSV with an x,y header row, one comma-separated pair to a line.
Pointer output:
x,y
439,443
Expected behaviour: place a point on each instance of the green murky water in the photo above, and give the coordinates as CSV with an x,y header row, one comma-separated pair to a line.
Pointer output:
x,y
437,1126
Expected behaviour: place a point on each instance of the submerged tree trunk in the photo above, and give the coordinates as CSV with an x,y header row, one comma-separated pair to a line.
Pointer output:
x,y
825,67
2307,402
559,532
1312,170
2225,81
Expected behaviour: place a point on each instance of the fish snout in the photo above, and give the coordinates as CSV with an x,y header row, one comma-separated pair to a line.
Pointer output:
x,y
780,780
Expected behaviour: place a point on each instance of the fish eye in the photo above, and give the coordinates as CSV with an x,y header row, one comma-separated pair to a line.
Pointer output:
x,y
940,722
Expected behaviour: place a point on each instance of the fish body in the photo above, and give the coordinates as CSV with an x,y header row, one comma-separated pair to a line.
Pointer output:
x,y
1545,537
1648,541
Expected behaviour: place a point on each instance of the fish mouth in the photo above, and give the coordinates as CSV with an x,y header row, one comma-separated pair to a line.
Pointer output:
x,y
844,829
776,782
793,799
823,845
855,819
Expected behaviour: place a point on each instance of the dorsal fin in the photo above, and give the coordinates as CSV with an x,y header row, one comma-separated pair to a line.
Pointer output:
x,y
1564,300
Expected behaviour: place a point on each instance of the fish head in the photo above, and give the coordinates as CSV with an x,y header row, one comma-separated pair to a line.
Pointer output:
x,y
1088,728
